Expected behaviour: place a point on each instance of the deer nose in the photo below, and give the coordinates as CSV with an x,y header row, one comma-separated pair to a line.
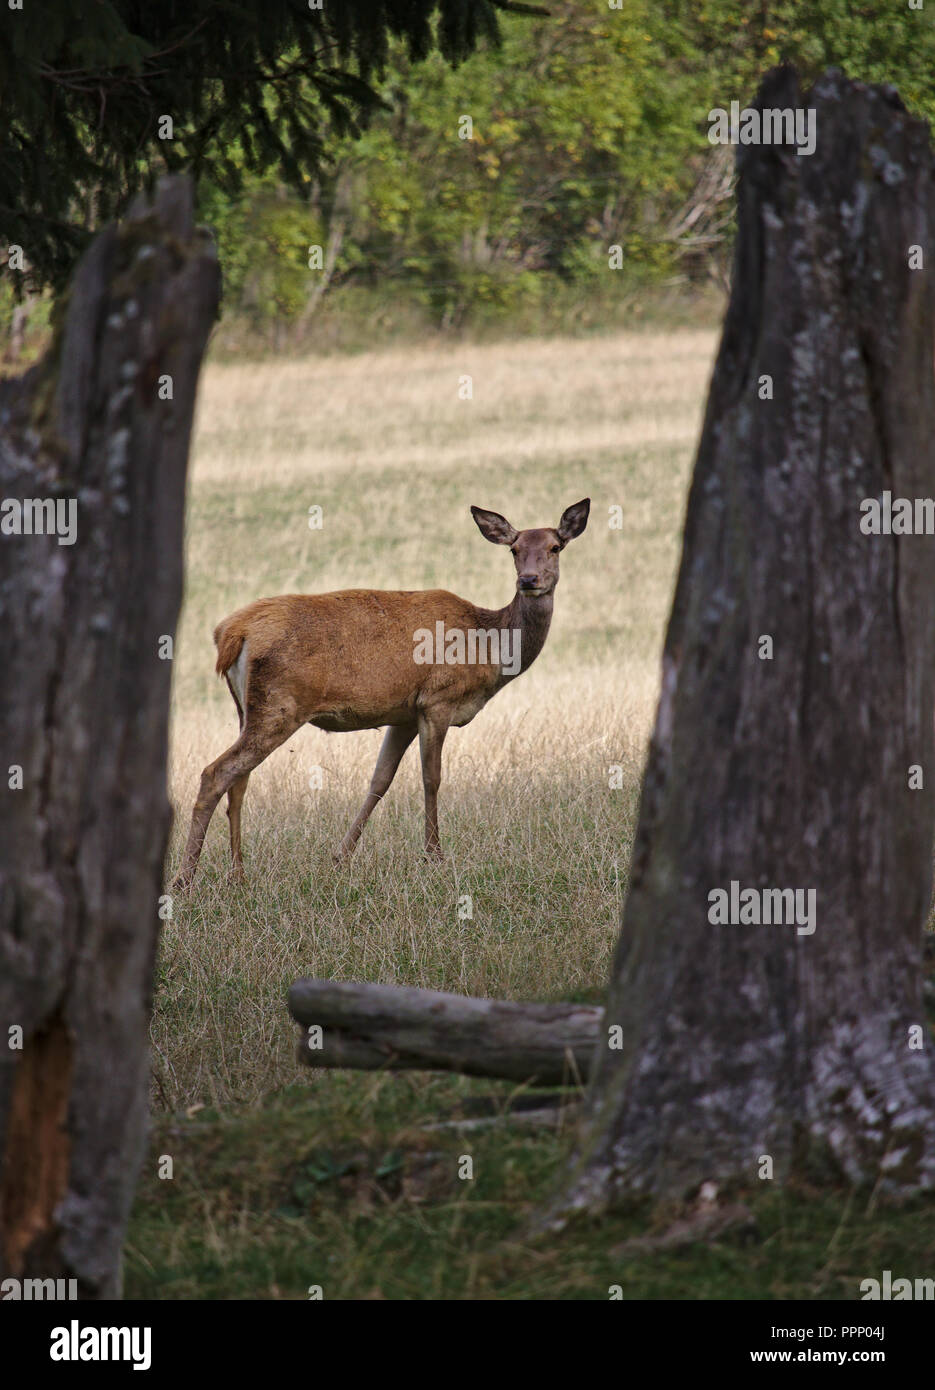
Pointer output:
x,y
529,581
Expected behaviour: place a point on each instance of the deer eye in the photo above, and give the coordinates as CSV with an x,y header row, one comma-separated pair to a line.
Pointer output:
x,y
512,549
555,549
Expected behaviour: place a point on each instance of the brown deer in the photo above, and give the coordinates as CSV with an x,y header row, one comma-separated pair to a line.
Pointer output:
x,y
420,662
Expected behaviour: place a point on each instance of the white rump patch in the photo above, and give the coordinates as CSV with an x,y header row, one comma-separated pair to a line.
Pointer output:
x,y
237,675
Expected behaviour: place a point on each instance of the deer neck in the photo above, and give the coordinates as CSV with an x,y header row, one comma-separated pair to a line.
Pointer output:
x,y
531,618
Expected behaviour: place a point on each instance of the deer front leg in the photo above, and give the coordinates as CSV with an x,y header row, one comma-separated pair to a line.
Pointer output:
x,y
432,733
395,742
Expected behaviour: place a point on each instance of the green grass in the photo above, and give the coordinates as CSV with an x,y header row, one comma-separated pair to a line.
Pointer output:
x,y
534,831
335,1183
333,1180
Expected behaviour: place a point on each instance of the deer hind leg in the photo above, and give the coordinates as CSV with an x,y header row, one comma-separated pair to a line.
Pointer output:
x,y
432,733
395,742
234,802
236,684
252,747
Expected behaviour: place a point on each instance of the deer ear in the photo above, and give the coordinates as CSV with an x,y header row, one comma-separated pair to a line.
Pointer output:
x,y
574,520
494,526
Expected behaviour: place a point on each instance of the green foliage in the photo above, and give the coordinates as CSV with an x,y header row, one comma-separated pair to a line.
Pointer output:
x,y
342,129
873,43
262,243
249,89
589,131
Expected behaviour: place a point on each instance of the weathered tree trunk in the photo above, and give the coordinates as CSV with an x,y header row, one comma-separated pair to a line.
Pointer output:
x,y
738,1041
85,684
373,1026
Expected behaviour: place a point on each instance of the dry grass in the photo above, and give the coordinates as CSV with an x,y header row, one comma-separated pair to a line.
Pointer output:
x,y
535,836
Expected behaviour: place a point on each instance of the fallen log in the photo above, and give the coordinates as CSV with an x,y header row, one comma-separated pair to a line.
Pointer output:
x,y
367,1027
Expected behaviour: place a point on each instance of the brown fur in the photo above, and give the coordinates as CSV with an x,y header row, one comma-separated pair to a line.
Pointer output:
x,y
344,661
229,637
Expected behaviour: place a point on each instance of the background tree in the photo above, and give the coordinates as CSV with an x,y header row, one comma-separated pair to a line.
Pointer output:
x,y
340,129
589,130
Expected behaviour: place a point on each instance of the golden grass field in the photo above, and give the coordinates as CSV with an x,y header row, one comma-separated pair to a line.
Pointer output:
x,y
532,830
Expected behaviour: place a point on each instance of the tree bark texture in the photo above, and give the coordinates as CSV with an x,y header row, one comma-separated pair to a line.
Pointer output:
x,y
84,813
741,1041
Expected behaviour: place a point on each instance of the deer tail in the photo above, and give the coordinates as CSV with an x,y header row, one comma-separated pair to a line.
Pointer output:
x,y
228,638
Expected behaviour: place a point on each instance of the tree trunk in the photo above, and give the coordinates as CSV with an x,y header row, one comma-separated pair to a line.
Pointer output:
x,y
85,613
338,218
18,323
741,1041
374,1026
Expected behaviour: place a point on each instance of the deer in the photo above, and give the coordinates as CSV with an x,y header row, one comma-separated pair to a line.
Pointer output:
x,y
417,662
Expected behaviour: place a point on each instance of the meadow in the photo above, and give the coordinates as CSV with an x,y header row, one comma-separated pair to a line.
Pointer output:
x,y
285,1178
533,831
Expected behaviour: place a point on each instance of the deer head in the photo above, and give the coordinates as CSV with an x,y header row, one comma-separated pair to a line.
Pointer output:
x,y
535,552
